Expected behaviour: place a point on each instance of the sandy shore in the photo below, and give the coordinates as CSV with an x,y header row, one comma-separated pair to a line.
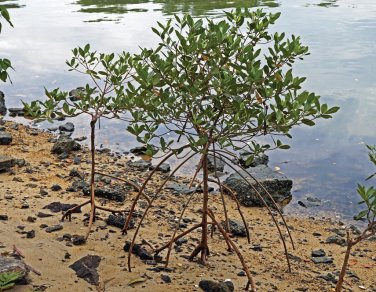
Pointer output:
x,y
51,254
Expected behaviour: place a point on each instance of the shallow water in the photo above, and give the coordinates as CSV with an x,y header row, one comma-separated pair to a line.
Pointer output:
x,y
326,161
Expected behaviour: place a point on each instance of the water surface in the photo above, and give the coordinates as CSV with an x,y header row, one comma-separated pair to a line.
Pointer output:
x,y
326,161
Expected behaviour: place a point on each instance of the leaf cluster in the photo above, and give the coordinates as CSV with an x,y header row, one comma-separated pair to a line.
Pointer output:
x,y
224,82
7,280
5,64
368,194
105,96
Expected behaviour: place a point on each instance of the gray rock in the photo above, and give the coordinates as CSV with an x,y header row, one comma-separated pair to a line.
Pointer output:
x,y
278,185
3,108
166,278
215,165
180,189
318,253
54,228
261,159
10,265
6,162
65,145
211,286
237,227
56,188
114,194
86,268
336,239
322,260
164,167
76,94
141,164
58,207
5,138
78,239
30,234
118,221
329,277
140,150
16,111
67,127
139,251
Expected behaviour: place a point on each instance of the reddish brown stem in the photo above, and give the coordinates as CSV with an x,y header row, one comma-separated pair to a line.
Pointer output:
x,y
237,251
150,205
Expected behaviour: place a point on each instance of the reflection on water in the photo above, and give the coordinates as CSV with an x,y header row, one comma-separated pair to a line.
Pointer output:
x,y
194,7
326,161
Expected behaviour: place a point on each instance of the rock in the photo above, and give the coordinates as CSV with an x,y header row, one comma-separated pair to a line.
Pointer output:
x,y
140,165
140,150
56,188
5,138
278,185
43,215
181,241
6,162
30,234
336,239
67,127
75,173
302,204
78,239
58,207
63,156
318,253
16,111
215,164
10,265
329,277
166,278
2,216
118,221
237,227
76,94
242,274
313,200
261,159
322,260
180,189
211,286
138,250
355,230
114,194
43,192
164,167
65,145
77,160
85,268
54,228
3,108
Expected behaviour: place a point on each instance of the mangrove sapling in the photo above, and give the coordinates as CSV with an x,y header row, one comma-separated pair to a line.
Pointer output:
x,y
217,85
368,195
105,98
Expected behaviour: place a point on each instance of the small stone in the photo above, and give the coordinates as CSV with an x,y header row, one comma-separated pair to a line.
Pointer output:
x,y
322,260
43,192
181,241
43,215
56,188
25,205
85,268
211,286
166,278
6,162
4,217
78,239
140,165
54,228
237,227
67,127
318,253
30,234
9,196
336,239
138,250
242,274
31,219
5,138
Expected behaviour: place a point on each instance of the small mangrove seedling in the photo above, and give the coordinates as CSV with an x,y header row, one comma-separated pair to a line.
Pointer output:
x,y
106,97
213,87
368,195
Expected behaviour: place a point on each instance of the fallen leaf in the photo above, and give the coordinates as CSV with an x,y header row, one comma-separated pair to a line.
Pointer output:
x,y
136,281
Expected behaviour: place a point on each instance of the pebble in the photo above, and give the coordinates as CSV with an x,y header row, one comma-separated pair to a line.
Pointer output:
x,y
54,228
166,278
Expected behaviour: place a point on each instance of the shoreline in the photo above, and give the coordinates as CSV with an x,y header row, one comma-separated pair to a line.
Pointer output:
x,y
47,252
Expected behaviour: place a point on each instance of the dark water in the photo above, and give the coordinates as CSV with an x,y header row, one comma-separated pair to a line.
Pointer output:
x,y
325,162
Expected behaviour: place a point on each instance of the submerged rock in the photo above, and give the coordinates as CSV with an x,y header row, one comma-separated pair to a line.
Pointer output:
x,y
261,159
278,185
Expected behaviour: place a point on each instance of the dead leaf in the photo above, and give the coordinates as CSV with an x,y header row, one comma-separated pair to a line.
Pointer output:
x,y
136,281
